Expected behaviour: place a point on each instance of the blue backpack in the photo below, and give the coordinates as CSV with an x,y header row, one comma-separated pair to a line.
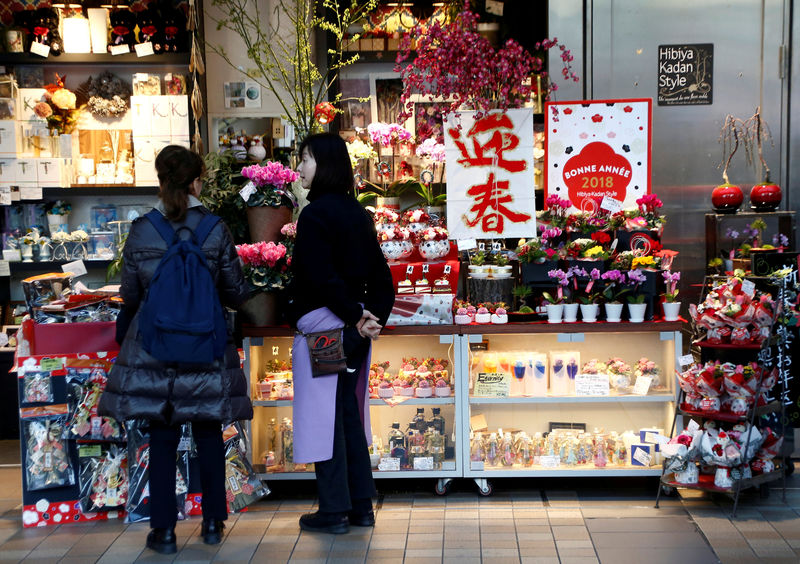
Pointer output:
x,y
181,318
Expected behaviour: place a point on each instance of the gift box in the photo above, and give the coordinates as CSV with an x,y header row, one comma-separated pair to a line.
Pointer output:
x,y
653,430
8,138
28,98
178,115
422,309
8,171
141,110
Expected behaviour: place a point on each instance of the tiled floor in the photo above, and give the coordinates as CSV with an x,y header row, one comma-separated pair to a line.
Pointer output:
x,y
577,521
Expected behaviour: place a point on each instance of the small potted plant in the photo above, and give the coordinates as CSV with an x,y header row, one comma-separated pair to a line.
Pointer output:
x,y
671,306
590,297
58,216
636,304
613,292
269,199
477,265
555,304
500,266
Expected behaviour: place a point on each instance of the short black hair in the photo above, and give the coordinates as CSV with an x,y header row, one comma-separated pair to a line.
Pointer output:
x,y
334,173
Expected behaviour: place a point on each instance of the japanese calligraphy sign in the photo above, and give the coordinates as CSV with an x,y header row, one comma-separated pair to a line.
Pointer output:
x,y
490,175
596,149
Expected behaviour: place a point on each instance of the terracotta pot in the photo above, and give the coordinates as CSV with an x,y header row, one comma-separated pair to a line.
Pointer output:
x,y
265,222
765,197
261,309
726,198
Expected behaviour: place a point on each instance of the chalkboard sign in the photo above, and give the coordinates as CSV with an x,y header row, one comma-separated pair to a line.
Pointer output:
x,y
685,74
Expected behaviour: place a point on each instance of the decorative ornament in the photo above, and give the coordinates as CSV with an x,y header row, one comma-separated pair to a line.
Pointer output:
x,y
108,95
324,112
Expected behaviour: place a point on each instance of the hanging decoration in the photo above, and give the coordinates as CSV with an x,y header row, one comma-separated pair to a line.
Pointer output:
x,y
196,67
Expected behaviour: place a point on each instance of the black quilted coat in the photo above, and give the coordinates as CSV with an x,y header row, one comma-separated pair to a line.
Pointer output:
x,y
141,387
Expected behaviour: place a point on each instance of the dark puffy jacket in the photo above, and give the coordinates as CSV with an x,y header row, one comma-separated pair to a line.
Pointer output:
x,y
141,387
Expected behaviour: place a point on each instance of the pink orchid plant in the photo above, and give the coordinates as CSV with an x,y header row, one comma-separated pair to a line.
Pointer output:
x,y
671,280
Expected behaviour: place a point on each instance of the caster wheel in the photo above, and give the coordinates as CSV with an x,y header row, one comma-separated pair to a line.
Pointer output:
x,y
442,489
669,491
486,491
763,491
789,467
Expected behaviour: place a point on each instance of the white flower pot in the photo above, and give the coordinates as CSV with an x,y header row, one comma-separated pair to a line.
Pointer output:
x,y
501,271
554,313
613,312
570,313
636,312
56,223
589,312
671,311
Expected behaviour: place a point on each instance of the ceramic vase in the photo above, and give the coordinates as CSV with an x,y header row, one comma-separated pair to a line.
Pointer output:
x,y
27,252
570,313
554,313
636,312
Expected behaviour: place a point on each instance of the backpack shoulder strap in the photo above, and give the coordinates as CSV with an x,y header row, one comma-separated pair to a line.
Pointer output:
x,y
161,224
203,229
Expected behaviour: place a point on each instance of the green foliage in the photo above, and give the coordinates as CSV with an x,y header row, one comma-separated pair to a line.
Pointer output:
x,y
428,195
115,266
220,193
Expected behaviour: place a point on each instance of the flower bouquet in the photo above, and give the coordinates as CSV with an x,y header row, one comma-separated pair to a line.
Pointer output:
x,y
385,219
619,375
58,107
646,367
416,220
433,243
395,243
269,184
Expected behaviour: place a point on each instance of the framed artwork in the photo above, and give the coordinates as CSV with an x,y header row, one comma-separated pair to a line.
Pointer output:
x,y
355,113
427,120
384,93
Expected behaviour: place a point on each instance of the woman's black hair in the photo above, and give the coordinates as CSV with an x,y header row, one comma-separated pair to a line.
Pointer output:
x,y
177,167
334,173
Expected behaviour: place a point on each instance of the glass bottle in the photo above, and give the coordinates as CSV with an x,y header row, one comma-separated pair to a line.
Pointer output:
x,y
438,421
476,453
491,449
288,444
419,422
507,447
416,446
396,437
435,446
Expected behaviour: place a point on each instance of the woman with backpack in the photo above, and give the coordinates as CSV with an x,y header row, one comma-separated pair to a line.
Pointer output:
x,y
341,281
180,267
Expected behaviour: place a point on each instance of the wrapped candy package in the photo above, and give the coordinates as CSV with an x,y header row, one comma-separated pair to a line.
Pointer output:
x,y
47,461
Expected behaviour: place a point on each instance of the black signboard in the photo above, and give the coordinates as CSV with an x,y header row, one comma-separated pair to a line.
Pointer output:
x,y
685,74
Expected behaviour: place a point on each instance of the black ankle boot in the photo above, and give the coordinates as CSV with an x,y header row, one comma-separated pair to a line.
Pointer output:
x,y
335,523
211,531
162,541
362,515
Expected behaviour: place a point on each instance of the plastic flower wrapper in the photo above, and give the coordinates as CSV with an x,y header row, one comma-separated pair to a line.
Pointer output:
x,y
716,330
710,385
646,367
763,318
738,317
718,449
619,374
748,438
741,383
242,485
104,479
37,387
770,448
687,380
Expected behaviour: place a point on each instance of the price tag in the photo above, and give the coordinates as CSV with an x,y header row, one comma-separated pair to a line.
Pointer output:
x,y
642,385
550,461
496,246
248,190
686,360
425,268
5,195
12,255
613,246
409,269
591,385
144,49
85,451
389,464
76,267
423,463
466,244
481,246
30,192
692,426
447,269
492,384
185,443
655,438
120,49
610,204
748,287
5,268
40,49
642,456
494,7
51,364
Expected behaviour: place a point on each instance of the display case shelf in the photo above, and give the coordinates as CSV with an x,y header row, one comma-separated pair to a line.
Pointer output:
x,y
706,482
570,328
50,266
177,59
96,190
655,398
372,401
772,407
572,472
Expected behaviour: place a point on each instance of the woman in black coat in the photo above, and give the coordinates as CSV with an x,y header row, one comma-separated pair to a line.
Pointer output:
x,y
340,278
141,387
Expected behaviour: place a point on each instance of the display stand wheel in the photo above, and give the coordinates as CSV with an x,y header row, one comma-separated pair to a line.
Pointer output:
x,y
442,486
484,487
789,468
669,491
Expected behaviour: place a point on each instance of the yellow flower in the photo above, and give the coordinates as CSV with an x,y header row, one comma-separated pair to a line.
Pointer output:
x,y
642,261
594,251
63,99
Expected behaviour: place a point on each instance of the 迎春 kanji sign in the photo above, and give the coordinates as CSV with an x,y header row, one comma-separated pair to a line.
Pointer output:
x,y
490,175
598,149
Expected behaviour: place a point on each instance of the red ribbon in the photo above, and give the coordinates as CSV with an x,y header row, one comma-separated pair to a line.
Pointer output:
x,y
149,30
120,30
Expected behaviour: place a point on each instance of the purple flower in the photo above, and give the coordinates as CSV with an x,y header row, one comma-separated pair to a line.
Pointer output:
x,y
594,274
780,240
635,277
732,233
613,276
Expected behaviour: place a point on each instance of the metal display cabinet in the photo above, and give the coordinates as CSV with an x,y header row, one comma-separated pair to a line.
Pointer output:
x,y
659,341
263,344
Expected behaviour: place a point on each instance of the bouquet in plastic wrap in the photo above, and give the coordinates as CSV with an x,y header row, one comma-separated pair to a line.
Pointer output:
x,y
770,448
104,479
687,380
709,385
741,383
763,318
242,485
681,453
718,449
748,438
138,502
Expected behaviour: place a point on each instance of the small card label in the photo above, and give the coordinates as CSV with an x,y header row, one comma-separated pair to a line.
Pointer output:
x,y
476,465
51,364
550,461
5,195
389,464
466,244
642,456
85,451
686,360
40,49
492,384
12,255
144,49
423,463
748,287
610,204
655,438
409,269
425,268
591,385
248,190
30,192
494,7
496,246
447,269
5,268
642,385
692,426
76,267
120,49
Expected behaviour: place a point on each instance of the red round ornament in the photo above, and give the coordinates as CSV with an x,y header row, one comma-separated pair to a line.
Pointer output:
x,y
324,112
765,197
726,198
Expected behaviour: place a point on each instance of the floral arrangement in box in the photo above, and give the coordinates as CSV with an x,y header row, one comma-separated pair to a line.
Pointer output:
x,y
270,184
58,107
589,249
535,251
647,262
587,222
646,215
266,265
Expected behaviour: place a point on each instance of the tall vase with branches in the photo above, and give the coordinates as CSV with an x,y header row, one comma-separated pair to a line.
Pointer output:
x,y
282,51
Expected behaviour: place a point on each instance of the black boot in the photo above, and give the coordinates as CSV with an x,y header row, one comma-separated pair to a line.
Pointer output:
x,y
211,531
319,522
362,515
162,541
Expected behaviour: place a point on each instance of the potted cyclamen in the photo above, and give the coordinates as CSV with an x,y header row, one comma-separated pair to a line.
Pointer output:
x,y
269,199
613,291
671,307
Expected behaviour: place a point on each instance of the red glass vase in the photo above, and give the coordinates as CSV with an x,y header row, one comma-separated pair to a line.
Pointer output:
x,y
726,198
765,197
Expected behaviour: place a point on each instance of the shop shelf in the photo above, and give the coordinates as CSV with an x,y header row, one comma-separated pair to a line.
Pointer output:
x,y
373,401
706,482
749,346
574,472
544,327
50,266
181,59
655,398
98,190
772,407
